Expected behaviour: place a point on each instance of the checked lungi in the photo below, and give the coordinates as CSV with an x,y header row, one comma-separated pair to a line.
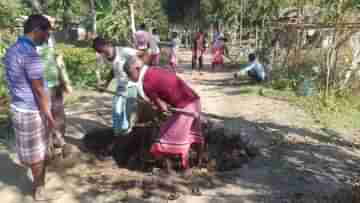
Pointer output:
x,y
31,136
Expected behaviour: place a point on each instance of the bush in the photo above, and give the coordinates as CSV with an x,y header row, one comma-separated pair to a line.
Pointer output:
x,y
80,65
6,38
2,73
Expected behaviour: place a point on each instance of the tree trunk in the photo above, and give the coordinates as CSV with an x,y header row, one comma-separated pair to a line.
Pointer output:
x,y
93,16
66,19
36,6
241,22
256,38
330,60
132,15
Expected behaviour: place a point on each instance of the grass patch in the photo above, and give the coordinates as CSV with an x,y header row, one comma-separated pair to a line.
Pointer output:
x,y
335,112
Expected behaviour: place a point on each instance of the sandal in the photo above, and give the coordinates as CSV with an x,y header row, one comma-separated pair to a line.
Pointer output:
x,y
196,191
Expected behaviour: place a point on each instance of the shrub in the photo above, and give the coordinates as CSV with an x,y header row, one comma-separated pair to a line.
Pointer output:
x,y
6,38
80,65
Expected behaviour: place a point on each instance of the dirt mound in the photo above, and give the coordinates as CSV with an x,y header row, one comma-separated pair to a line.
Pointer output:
x,y
223,153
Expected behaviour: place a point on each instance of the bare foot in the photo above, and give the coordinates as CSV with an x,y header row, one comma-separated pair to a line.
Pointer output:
x,y
40,194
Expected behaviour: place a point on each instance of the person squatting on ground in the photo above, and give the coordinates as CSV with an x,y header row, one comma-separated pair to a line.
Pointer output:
x,y
124,102
254,70
198,50
164,88
58,83
31,115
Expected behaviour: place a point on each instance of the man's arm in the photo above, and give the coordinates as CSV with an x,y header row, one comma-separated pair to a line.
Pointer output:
x,y
249,67
43,100
160,105
109,78
34,71
63,76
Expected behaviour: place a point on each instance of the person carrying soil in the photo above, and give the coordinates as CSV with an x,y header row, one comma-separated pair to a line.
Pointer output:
x,y
124,101
164,88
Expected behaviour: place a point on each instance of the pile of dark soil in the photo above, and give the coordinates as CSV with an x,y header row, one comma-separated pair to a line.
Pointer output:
x,y
223,153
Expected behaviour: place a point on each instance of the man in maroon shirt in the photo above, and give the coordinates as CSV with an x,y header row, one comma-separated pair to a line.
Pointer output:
x,y
166,90
198,49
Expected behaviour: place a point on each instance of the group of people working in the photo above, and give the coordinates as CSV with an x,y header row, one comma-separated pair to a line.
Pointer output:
x,y
137,77
37,81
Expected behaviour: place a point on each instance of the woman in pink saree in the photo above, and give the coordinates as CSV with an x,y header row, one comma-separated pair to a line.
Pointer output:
x,y
218,51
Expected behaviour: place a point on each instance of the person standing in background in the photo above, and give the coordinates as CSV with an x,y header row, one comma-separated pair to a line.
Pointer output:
x,y
154,48
219,49
141,38
58,83
198,50
174,45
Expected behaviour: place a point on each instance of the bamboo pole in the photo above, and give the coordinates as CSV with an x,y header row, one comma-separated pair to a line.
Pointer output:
x,y
132,16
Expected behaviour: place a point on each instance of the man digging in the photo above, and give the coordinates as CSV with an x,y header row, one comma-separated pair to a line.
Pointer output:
x,y
124,102
166,90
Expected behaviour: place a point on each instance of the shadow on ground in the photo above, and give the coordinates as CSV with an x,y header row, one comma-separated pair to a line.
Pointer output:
x,y
291,163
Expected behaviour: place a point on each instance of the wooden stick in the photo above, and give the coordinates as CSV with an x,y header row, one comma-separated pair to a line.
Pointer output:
x,y
172,109
177,110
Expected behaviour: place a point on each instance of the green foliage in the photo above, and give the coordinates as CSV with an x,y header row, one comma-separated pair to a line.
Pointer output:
x,y
6,38
80,65
113,20
338,110
9,11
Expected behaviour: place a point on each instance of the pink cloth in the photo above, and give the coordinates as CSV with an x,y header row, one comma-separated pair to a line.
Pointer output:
x,y
141,39
178,133
162,84
173,60
218,54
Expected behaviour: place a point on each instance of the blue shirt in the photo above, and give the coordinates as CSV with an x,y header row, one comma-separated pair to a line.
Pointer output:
x,y
257,67
23,64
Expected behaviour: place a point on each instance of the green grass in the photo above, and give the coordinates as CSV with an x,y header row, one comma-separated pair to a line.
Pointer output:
x,y
336,112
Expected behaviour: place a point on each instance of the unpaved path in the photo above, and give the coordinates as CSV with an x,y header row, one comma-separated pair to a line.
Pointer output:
x,y
297,158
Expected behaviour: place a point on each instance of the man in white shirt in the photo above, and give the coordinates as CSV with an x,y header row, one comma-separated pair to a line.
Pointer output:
x,y
254,70
124,102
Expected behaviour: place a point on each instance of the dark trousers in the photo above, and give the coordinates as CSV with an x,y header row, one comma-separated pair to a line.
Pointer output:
x,y
253,74
195,60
